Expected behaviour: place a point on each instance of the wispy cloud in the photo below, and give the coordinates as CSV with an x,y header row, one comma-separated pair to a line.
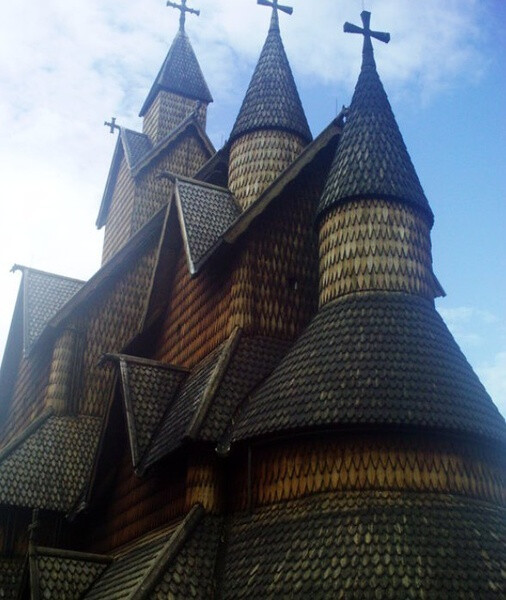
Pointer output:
x,y
493,376
64,67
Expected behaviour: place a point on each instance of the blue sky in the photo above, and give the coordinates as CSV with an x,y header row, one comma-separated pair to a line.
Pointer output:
x,y
64,69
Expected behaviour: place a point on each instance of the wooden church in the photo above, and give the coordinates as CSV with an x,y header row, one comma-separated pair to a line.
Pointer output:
x,y
254,396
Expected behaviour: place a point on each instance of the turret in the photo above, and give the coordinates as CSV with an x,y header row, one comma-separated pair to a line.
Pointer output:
x,y
179,88
271,129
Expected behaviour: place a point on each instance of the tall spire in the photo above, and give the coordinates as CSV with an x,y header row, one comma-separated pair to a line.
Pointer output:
x,y
272,100
180,73
372,160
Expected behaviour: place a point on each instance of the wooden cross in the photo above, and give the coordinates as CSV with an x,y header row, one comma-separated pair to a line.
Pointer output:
x,y
276,6
366,32
112,125
184,9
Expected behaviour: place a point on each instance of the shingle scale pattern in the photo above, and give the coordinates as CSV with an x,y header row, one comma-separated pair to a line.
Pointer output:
x,y
45,294
50,467
368,545
180,73
136,145
124,575
372,159
179,416
374,359
272,100
254,359
66,578
207,213
191,573
151,390
11,574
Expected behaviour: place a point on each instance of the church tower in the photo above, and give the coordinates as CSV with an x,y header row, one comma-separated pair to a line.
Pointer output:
x,y
271,129
179,88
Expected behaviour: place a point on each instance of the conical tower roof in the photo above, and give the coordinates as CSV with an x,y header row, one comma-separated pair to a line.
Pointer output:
x,y
180,74
372,159
272,100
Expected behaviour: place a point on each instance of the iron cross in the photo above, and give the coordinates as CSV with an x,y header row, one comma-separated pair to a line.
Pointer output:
x,y
366,31
276,6
112,125
184,9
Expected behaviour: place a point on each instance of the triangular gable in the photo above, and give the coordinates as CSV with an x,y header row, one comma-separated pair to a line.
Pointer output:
x,y
192,402
138,151
135,572
47,466
62,574
205,213
149,388
44,294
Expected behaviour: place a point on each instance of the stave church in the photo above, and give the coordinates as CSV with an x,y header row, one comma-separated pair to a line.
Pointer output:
x,y
254,396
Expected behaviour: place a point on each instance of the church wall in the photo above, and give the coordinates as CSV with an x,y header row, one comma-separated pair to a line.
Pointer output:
x,y
112,321
135,506
375,245
197,316
257,158
117,229
360,462
167,111
185,157
28,399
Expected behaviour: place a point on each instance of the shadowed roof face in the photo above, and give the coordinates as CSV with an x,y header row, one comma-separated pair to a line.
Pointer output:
x,y
372,159
272,100
373,360
180,74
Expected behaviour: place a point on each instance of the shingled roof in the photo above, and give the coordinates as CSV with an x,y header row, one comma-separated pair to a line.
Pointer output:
x,y
11,575
43,296
47,466
368,545
373,359
136,145
149,388
175,564
206,212
180,74
372,159
164,406
272,100
60,574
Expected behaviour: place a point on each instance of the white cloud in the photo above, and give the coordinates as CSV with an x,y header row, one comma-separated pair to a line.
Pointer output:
x,y
64,67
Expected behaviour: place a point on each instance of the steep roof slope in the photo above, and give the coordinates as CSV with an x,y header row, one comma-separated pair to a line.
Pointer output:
x,y
180,73
272,100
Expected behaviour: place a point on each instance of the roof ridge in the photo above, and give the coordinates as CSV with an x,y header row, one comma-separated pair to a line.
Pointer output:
x,y
214,383
26,433
23,268
169,552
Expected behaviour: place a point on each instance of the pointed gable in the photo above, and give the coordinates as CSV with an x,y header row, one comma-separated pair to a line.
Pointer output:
x,y
272,100
180,74
372,159
43,296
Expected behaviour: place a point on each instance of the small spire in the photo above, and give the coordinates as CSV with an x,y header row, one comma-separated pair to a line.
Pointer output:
x,y
367,52
275,7
184,9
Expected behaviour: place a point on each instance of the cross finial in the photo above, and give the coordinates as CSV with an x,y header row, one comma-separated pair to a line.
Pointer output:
x,y
367,33
112,125
184,9
274,4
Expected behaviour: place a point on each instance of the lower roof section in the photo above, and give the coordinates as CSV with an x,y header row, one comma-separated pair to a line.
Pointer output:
x,y
368,545
373,359
11,575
